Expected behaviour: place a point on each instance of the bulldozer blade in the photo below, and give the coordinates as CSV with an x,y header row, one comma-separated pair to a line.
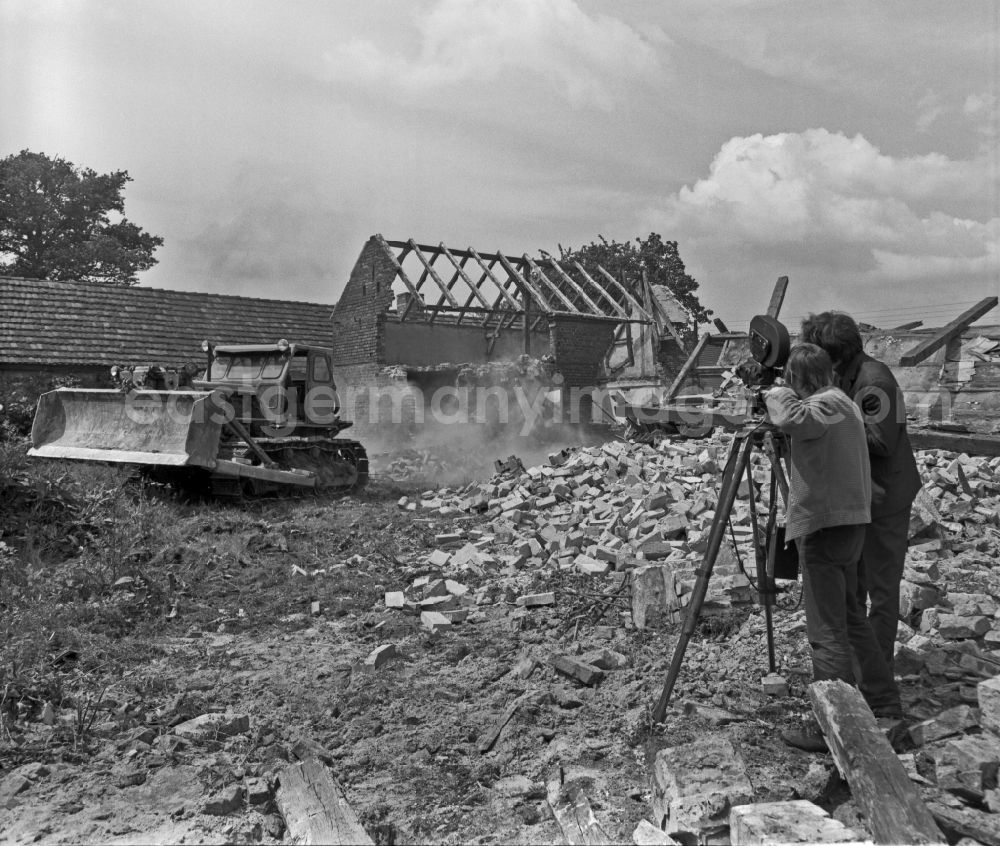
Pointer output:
x,y
162,428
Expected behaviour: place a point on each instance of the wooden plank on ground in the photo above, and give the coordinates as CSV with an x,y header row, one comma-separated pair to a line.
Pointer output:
x,y
491,736
314,807
879,784
576,818
946,334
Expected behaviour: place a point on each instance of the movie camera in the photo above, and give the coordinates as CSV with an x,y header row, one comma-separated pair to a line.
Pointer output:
x,y
769,345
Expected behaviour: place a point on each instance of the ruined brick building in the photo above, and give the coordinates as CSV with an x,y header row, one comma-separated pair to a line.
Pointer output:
x,y
415,318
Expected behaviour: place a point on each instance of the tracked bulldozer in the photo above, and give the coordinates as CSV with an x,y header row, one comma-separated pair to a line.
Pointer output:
x,y
259,419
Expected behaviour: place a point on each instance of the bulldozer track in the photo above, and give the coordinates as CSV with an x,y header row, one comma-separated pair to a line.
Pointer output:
x,y
340,465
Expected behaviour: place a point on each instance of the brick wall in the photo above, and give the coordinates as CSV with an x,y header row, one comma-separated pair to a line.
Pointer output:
x,y
360,312
579,346
420,344
671,357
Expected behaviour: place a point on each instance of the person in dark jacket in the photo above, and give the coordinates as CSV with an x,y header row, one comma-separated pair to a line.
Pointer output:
x,y
829,501
895,478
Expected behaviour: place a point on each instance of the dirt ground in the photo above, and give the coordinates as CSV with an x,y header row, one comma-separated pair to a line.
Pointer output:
x,y
269,610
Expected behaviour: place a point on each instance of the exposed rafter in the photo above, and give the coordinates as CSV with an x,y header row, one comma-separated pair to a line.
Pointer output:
x,y
496,290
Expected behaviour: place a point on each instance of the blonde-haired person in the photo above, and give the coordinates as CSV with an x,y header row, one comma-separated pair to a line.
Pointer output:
x,y
828,508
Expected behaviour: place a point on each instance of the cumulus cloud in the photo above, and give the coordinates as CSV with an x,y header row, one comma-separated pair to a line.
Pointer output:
x,y
581,55
836,207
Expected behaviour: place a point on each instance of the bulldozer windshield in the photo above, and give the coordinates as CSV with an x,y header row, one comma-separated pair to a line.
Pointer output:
x,y
248,366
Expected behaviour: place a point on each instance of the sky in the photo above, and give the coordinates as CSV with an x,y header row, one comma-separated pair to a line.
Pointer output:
x,y
851,146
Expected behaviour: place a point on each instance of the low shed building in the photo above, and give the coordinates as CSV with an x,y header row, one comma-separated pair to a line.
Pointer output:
x,y
51,331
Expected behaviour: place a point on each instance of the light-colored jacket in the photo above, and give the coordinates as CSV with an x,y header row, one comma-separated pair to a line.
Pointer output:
x,y
830,475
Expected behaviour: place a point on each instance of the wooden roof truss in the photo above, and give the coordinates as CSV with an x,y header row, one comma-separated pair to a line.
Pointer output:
x,y
500,292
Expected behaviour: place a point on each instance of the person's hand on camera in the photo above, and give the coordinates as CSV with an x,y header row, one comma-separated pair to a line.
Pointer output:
x,y
749,371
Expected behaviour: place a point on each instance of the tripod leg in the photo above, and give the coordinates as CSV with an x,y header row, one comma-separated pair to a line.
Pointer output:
x,y
736,464
764,556
765,573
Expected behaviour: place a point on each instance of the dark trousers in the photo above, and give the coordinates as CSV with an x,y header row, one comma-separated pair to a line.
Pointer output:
x,y
843,644
879,574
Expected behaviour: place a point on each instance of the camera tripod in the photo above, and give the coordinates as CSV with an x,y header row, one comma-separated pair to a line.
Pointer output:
x,y
754,434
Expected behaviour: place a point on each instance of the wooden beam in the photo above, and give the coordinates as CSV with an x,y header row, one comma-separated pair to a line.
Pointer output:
x,y
689,365
524,282
952,330
600,288
906,327
459,271
664,317
482,278
506,265
572,283
543,278
434,276
777,297
970,443
314,807
892,804
401,273
622,289
720,325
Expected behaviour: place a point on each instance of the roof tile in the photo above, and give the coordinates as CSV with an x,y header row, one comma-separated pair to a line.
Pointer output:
x,y
86,323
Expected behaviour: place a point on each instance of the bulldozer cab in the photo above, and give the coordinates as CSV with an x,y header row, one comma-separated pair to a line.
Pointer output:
x,y
291,382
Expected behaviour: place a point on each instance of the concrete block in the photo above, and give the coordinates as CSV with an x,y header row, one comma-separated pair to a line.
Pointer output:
x,y
696,785
651,605
439,603
533,600
988,694
916,597
226,801
774,685
956,627
605,659
968,764
438,558
591,566
795,821
434,620
455,588
575,668
213,726
947,723
380,655
647,834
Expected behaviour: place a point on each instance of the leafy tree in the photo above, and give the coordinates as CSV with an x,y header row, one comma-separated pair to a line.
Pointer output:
x,y
626,261
58,221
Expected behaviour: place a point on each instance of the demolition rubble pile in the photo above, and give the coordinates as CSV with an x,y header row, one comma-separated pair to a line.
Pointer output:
x,y
601,511
637,517
647,510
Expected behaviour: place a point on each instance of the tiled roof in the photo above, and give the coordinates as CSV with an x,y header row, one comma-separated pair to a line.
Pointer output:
x,y
670,305
83,323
